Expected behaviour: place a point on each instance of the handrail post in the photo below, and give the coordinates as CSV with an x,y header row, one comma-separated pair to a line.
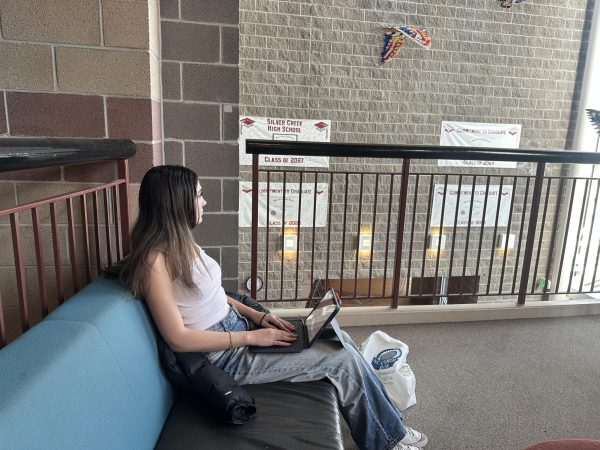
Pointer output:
x,y
20,271
123,173
254,249
2,326
533,216
400,230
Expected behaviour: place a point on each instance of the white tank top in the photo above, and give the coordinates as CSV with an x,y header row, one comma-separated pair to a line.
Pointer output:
x,y
206,305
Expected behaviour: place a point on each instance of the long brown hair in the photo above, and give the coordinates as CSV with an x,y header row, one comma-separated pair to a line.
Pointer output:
x,y
167,215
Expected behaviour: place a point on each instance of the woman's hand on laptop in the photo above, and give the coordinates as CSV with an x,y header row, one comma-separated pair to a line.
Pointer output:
x,y
266,337
272,321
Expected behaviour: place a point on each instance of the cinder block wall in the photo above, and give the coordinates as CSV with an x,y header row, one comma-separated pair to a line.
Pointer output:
x,y
73,69
200,107
321,60
486,63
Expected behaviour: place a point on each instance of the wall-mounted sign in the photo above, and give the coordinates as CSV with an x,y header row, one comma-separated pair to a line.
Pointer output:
x,y
277,129
292,200
466,134
477,197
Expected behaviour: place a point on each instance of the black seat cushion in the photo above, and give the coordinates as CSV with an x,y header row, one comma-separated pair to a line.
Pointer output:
x,y
288,416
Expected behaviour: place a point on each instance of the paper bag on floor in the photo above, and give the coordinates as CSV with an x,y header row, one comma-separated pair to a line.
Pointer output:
x,y
387,356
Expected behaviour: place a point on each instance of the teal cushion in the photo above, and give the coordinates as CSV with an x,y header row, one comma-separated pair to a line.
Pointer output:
x,y
62,388
127,329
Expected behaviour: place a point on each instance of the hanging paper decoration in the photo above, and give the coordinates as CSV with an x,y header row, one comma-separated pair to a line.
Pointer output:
x,y
394,38
393,41
417,35
509,3
594,116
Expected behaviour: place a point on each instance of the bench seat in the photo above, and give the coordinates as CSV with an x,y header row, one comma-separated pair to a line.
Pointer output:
x,y
88,376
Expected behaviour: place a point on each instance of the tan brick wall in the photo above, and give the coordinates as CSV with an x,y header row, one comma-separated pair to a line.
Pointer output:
x,y
26,66
102,52
74,69
103,71
56,21
126,24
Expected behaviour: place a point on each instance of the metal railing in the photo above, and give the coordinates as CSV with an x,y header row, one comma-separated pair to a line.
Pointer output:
x,y
504,230
104,216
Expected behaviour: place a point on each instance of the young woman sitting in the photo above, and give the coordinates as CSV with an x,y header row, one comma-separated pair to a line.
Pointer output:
x,y
181,285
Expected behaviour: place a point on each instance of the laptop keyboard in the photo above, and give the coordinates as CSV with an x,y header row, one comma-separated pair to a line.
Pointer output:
x,y
296,346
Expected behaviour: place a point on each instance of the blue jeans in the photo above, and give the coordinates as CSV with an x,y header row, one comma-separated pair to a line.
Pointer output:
x,y
374,421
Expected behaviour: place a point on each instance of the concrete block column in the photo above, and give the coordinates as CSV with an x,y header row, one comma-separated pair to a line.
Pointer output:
x,y
200,80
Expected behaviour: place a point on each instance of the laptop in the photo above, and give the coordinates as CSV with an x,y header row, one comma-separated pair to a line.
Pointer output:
x,y
309,329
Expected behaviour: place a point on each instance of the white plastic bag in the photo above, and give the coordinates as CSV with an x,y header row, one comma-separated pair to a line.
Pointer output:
x,y
387,356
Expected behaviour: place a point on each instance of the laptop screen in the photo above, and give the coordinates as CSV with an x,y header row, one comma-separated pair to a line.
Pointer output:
x,y
319,316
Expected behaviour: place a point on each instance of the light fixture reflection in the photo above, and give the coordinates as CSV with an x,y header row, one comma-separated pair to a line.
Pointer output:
x,y
436,242
365,243
290,243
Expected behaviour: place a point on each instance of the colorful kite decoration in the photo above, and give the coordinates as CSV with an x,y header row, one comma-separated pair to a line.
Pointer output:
x,y
417,35
509,3
392,43
594,116
394,38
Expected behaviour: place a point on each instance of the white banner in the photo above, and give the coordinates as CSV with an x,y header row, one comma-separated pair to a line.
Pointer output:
x,y
276,129
292,199
466,134
466,194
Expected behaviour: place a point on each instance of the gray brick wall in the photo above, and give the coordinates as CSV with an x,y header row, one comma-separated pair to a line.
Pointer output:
x,y
485,260
200,110
486,64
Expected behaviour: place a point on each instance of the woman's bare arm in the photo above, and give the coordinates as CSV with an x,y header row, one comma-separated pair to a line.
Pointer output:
x,y
163,307
246,311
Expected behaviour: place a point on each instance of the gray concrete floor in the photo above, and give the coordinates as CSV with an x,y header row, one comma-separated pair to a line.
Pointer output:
x,y
501,384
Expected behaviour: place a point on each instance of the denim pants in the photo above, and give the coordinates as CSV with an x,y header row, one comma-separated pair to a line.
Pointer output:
x,y
373,420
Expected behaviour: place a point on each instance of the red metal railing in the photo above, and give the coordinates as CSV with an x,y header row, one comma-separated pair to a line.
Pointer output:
x,y
403,266
75,236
